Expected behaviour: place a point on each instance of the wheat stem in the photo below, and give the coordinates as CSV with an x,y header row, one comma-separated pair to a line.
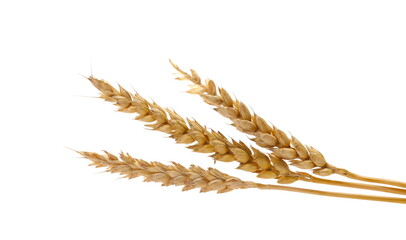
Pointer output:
x,y
334,194
375,180
197,177
270,137
357,185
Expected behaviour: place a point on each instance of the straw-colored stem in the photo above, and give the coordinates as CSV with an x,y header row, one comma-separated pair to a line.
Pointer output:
x,y
374,180
358,185
334,194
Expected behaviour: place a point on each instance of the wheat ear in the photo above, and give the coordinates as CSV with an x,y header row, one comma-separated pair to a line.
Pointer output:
x,y
174,174
197,177
209,141
270,137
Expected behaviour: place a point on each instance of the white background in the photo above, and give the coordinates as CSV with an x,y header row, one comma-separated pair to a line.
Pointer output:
x,y
330,72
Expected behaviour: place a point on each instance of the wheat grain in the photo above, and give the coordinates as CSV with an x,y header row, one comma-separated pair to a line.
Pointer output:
x,y
196,177
270,137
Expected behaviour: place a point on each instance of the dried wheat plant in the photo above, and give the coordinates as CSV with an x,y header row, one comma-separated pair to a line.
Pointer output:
x,y
284,147
204,140
198,138
197,177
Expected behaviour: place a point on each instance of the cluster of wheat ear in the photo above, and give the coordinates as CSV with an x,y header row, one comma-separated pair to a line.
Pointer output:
x,y
284,151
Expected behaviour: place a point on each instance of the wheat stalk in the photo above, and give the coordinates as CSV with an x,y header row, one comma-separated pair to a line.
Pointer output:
x,y
197,177
270,137
209,141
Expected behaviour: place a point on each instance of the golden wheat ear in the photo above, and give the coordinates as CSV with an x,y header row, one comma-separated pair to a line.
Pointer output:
x,y
196,177
265,135
203,140
173,174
